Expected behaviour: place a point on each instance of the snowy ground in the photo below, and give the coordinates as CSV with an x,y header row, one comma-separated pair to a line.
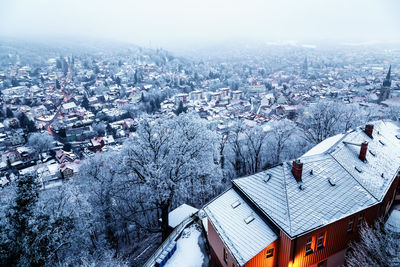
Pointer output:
x,y
393,222
188,251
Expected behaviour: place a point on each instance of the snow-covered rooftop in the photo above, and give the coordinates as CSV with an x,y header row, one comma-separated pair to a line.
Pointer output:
x,y
335,182
244,233
176,216
323,146
69,105
393,222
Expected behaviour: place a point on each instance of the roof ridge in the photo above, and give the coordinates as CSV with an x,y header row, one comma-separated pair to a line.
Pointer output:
x,y
287,199
329,150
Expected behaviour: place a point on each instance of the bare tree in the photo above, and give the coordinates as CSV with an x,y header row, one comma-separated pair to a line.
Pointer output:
x,y
321,121
278,138
255,143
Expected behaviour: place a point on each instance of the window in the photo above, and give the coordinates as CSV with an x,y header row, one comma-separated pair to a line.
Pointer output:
x,y
270,253
350,226
321,241
309,246
225,256
322,264
359,221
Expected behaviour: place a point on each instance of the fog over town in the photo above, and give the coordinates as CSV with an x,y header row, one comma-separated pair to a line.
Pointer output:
x,y
199,133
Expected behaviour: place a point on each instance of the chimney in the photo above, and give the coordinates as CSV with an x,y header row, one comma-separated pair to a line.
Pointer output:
x,y
363,151
297,169
369,129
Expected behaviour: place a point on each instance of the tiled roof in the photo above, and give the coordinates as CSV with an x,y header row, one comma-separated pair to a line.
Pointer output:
x,y
243,240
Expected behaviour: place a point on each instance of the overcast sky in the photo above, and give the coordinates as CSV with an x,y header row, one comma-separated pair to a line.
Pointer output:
x,y
173,22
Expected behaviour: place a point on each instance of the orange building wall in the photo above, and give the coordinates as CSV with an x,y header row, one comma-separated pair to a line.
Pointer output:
x,y
286,246
260,260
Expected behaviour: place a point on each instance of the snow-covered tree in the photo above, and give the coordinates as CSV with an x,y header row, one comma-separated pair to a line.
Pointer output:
x,y
377,247
41,142
167,162
321,121
29,236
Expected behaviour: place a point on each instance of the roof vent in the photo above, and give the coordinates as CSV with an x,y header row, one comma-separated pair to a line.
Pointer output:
x,y
382,143
382,175
249,219
372,153
332,181
358,169
311,172
235,204
301,186
268,177
398,136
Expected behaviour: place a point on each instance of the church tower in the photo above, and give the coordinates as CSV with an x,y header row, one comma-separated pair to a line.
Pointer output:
x,y
385,90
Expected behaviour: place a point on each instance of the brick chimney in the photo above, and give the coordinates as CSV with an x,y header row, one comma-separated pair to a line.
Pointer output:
x,y
297,169
369,129
363,151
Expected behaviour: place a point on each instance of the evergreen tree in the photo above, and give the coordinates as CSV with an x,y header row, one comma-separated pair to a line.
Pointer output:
x,y
58,86
180,108
23,120
18,216
85,102
30,237
9,113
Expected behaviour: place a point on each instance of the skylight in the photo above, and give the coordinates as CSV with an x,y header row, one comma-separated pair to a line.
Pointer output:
x,y
235,204
249,219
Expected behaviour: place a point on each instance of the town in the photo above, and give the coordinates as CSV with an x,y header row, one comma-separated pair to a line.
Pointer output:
x,y
70,115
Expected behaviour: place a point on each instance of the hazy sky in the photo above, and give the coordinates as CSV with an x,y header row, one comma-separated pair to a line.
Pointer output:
x,y
173,22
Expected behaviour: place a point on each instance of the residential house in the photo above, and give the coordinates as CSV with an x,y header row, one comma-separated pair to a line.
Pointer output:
x,y
69,169
64,156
